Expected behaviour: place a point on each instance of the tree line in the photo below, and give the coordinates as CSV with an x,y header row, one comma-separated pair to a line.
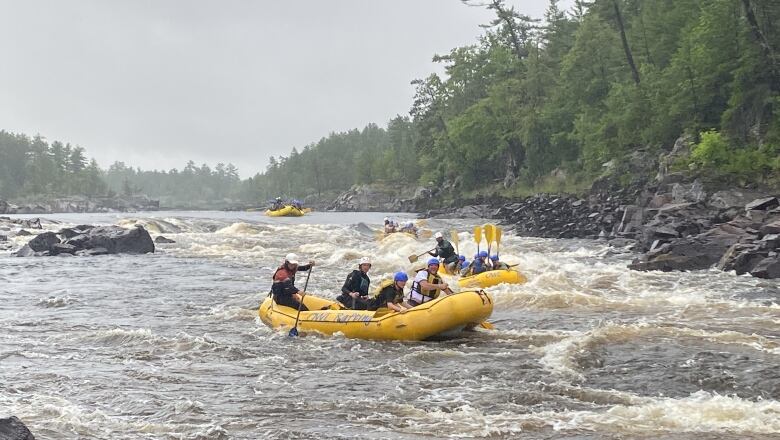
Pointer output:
x,y
570,92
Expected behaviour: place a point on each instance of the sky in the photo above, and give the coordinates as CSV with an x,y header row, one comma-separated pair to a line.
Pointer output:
x,y
154,83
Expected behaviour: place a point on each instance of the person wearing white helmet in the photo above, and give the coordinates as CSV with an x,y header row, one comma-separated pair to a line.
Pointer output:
x,y
283,288
389,225
445,251
354,292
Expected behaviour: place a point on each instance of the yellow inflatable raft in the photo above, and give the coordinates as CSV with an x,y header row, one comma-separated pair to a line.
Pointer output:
x,y
492,278
287,211
443,316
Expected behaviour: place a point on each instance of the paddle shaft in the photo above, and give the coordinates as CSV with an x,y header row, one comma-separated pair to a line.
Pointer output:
x,y
414,258
294,330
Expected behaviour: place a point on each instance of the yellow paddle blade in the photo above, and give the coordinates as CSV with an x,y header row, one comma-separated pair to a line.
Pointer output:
x,y
490,232
498,239
477,235
413,258
486,325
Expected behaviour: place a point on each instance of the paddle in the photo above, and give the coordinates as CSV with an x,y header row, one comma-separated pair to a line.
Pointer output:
x,y
490,232
294,330
455,240
486,325
477,236
414,258
498,239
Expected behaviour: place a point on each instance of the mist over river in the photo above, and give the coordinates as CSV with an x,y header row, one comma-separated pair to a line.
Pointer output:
x,y
168,345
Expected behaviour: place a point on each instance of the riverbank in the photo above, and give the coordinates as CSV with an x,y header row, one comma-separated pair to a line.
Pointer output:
x,y
79,204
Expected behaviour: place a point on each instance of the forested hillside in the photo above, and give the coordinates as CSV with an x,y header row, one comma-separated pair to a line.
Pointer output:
x,y
566,93
573,91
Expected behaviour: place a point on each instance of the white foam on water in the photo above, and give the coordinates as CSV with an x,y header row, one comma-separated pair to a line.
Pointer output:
x,y
559,357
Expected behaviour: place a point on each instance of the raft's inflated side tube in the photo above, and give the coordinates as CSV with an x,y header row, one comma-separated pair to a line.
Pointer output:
x,y
287,211
443,315
492,278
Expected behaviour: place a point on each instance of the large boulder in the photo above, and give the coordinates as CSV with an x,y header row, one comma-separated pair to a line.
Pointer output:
x,y
118,240
767,268
764,204
43,242
11,428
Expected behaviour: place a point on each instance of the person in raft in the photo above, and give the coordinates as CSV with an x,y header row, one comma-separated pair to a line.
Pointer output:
x,y
283,288
391,294
445,251
354,292
427,284
496,264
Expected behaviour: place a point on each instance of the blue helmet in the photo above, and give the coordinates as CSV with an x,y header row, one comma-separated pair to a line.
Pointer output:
x,y
483,254
400,276
494,257
476,256
433,261
462,258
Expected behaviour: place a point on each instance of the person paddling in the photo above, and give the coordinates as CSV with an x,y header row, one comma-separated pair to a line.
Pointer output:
x,y
445,251
354,292
283,288
427,284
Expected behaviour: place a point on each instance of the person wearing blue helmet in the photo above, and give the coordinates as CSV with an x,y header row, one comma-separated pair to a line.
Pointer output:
x,y
427,284
496,264
391,294
462,262
477,266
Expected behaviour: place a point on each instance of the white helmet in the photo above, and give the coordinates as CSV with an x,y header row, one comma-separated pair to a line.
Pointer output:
x,y
438,235
291,258
386,219
364,260
409,224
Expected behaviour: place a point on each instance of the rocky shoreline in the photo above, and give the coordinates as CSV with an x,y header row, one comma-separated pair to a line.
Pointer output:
x,y
77,204
675,225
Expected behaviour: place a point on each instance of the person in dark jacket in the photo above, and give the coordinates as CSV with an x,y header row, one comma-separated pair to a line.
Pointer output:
x,y
283,288
445,251
354,292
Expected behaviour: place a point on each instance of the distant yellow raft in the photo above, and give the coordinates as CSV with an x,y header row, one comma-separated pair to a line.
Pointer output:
x,y
492,278
287,211
442,316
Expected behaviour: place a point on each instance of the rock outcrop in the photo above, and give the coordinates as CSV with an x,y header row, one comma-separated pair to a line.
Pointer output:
x,y
87,240
11,428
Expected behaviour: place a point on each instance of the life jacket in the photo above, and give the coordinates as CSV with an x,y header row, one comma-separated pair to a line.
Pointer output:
x,y
282,273
420,295
399,294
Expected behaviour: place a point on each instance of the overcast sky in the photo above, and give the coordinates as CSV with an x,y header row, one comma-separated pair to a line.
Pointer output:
x,y
155,83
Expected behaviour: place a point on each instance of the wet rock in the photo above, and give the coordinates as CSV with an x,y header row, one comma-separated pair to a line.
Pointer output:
x,y
92,252
771,228
43,242
668,263
3,238
162,240
767,268
764,204
119,240
741,258
23,233
79,240
62,248
25,251
11,428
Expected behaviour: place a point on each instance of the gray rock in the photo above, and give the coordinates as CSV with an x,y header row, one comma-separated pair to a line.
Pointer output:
x,y
732,198
741,258
669,263
767,268
764,204
43,242
161,239
119,240
25,251
62,248
23,233
11,428
92,252
3,238
771,228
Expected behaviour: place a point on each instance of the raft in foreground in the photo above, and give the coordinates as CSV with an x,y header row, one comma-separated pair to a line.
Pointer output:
x,y
287,211
443,316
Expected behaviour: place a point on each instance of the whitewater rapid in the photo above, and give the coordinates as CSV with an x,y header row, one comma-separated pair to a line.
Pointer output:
x,y
169,345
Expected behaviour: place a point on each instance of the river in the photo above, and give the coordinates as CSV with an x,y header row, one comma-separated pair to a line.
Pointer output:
x,y
168,345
